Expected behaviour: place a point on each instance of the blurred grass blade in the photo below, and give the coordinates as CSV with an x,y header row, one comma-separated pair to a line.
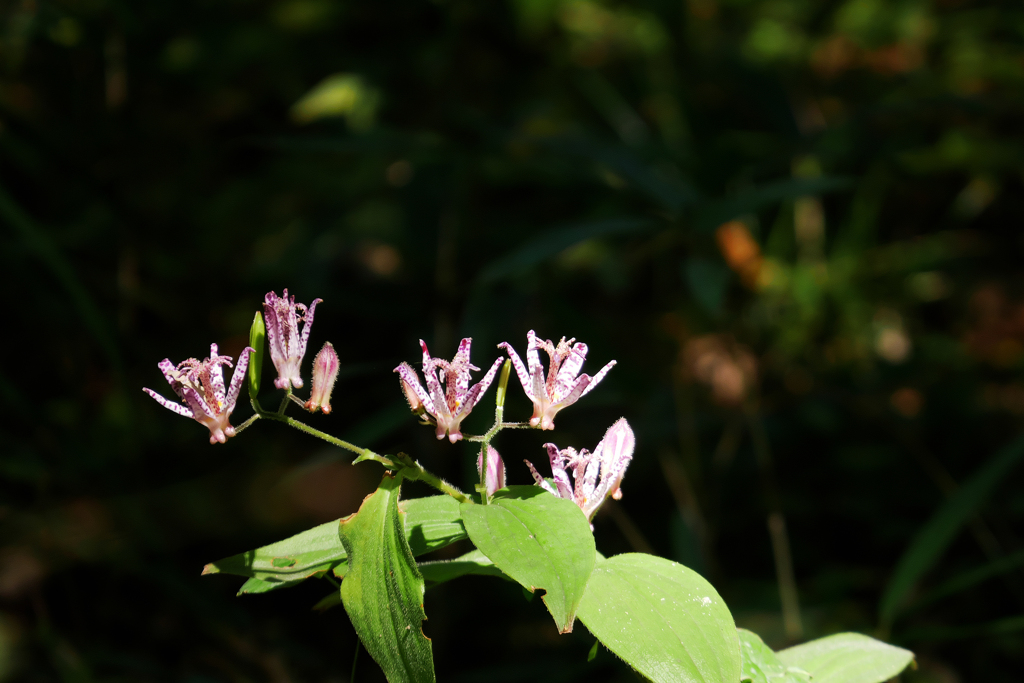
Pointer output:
x,y
554,241
989,629
962,582
48,253
716,212
671,193
934,538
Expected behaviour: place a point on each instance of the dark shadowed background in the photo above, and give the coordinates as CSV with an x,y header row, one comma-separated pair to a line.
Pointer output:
x,y
796,225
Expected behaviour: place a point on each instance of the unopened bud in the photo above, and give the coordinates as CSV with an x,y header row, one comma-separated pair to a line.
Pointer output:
x,y
495,470
257,337
325,372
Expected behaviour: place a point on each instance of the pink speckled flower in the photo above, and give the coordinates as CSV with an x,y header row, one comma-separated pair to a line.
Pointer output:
x,y
447,407
596,475
287,345
200,385
562,387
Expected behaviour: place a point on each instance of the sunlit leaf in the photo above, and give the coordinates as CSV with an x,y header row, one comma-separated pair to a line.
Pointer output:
x,y
761,664
847,658
383,591
663,619
539,540
430,523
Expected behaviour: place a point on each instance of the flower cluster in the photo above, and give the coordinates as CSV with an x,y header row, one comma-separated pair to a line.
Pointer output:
x,y
443,398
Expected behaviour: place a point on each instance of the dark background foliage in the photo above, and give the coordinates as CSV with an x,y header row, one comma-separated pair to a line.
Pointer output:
x,y
795,225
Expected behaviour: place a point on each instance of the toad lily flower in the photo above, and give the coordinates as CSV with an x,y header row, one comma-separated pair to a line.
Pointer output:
x,y
597,475
287,346
200,385
447,407
562,387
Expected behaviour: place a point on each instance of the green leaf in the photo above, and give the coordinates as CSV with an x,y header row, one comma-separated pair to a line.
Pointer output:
x,y
541,541
383,591
430,523
761,664
286,562
332,599
847,658
935,537
473,562
257,339
663,619
254,586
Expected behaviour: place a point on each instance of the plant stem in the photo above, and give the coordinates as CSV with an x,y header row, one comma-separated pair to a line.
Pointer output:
x,y
245,425
413,470
776,526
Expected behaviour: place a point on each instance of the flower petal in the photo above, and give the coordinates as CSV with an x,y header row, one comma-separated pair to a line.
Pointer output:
x,y
169,404
598,377
521,373
237,379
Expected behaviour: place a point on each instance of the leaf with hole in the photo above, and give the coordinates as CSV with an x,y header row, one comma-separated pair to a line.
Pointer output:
x,y
539,540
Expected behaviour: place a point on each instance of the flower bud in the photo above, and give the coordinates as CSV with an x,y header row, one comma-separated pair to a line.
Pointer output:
x,y
257,339
495,470
325,372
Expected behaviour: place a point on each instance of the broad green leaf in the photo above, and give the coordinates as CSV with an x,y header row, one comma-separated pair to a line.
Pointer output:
x,y
541,541
935,537
663,619
847,658
383,591
430,523
761,664
473,562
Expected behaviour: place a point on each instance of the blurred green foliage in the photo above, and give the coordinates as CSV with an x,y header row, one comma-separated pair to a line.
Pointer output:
x,y
795,225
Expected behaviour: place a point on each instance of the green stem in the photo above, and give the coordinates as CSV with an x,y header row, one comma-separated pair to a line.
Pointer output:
x,y
413,470
284,401
245,425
